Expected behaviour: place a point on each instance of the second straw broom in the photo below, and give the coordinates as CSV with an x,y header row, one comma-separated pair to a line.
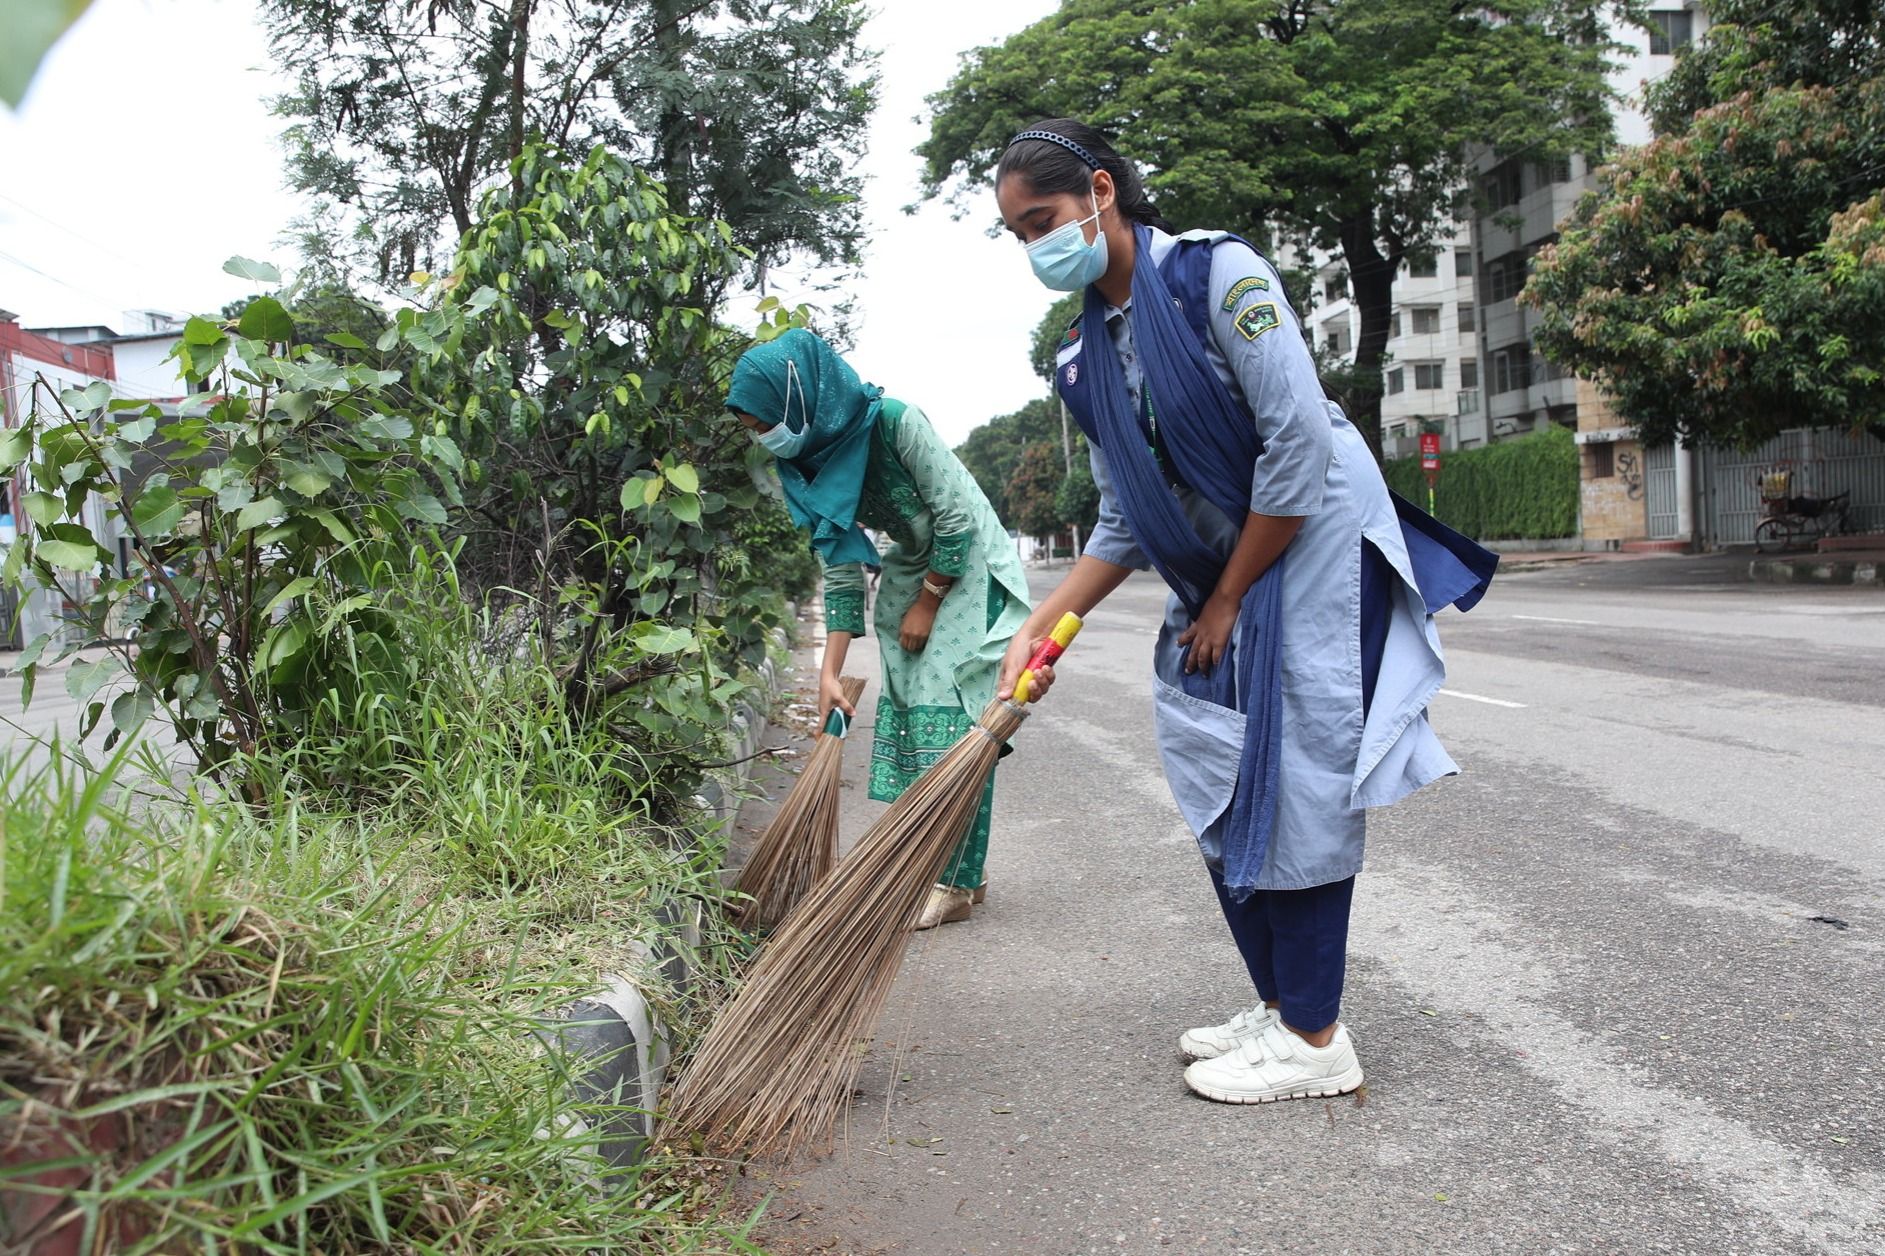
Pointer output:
x,y
778,1064
801,844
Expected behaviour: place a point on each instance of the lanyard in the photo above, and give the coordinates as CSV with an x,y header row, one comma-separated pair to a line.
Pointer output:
x,y
1148,425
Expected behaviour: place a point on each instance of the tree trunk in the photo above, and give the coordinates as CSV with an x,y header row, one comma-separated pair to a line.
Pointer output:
x,y
675,131
520,58
1371,283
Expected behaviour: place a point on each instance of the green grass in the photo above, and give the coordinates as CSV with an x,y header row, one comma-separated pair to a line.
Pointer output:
x,y
312,1020
285,1036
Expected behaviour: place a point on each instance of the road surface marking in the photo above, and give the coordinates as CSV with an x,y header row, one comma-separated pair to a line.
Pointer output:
x,y
1473,697
1451,951
1548,619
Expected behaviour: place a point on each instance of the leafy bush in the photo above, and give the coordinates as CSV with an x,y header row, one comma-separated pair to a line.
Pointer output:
x,y
588,394
1526,487
268,522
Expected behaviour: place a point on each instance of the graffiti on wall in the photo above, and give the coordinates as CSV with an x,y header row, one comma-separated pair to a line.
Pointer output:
x,y
1630,471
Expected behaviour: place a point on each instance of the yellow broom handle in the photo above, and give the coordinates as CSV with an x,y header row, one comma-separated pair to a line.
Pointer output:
x,y
1056,645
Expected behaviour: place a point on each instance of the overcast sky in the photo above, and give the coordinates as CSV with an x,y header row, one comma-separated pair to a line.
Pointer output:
x,y
143,157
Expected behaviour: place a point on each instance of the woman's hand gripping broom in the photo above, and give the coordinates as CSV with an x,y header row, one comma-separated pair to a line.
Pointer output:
x,y
778,1064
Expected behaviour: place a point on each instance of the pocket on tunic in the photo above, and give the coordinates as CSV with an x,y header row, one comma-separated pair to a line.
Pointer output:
x,y
1200,744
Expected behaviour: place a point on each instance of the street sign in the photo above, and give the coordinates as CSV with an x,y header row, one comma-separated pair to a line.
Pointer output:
x,y
1430,462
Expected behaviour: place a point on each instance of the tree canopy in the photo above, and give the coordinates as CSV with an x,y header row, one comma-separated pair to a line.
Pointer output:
x,y
991,451
1727,280
749,111
1347,124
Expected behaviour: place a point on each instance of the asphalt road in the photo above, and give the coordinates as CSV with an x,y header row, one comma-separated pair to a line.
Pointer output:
x,y
1587,981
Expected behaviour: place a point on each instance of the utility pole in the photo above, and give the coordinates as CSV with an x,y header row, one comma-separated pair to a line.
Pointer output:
x,y
1066,453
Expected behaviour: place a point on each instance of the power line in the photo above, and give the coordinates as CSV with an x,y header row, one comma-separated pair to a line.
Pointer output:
x,y
28,266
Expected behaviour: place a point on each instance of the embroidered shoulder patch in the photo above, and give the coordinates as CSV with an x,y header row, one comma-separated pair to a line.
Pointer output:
x,y
1254,283
1073,334
1258,319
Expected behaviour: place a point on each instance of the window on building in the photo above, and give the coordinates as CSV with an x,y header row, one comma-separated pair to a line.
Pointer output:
x,y
1335,288
1505,276
1549,172
1544,370
1394,326
1511,369
1426,320
1429,376
1397,381
1466,317
1502,187
1669,29
1603,460
1469,373
1423,268
1462,263
1332,336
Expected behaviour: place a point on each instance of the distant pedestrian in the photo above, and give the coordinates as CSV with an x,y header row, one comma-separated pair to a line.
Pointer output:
x,y
1298,653
951,593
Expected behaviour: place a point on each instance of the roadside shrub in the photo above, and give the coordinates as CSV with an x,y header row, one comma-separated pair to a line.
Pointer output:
x,y
1526,487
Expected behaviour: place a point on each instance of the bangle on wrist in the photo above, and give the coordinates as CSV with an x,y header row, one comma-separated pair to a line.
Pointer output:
x,y
940,590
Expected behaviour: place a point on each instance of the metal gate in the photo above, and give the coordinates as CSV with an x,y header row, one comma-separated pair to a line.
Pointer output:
x,y
1823,463
1659,487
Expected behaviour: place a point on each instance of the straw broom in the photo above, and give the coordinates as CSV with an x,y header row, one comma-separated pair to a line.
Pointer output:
x,y
801,844
777,1066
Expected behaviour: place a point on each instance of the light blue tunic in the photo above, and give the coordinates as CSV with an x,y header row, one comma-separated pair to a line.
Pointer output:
x,y
1335,762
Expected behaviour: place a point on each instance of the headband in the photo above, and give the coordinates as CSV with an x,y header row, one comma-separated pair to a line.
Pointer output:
x,y
1092,162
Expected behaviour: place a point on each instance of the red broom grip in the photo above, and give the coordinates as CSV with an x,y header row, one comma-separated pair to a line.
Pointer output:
x,y
1051,649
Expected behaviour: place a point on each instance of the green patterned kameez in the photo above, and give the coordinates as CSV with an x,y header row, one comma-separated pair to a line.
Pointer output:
x,y
919,494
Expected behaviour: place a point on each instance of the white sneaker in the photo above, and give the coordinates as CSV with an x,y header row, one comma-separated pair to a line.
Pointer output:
x,y
1278,1065
1211,1041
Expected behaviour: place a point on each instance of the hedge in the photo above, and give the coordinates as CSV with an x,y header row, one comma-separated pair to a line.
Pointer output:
x,y
1526,487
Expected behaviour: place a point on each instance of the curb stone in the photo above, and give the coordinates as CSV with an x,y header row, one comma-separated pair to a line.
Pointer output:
x,y
618,1041
1819,569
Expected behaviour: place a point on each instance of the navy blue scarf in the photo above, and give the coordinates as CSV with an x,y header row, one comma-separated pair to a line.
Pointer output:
x,y
1213,446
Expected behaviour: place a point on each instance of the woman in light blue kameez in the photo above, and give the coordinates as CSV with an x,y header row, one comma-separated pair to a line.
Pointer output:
x,y
1298,651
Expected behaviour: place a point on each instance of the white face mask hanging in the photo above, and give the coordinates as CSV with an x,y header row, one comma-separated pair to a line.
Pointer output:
x,y
779,439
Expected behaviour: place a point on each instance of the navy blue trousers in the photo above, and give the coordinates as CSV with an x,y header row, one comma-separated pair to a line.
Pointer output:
x,y
1295,944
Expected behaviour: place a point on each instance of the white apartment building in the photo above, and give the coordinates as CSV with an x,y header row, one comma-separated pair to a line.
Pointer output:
x,y
1432,372
1460,355
1524,200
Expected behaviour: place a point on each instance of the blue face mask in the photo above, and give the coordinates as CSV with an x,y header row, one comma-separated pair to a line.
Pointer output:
x,y
779,439
1064,260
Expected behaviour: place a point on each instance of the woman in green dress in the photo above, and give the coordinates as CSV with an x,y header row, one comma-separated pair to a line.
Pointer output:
x,y
951,595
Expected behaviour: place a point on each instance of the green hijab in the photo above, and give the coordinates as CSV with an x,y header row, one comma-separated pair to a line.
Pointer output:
x,y
799,379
